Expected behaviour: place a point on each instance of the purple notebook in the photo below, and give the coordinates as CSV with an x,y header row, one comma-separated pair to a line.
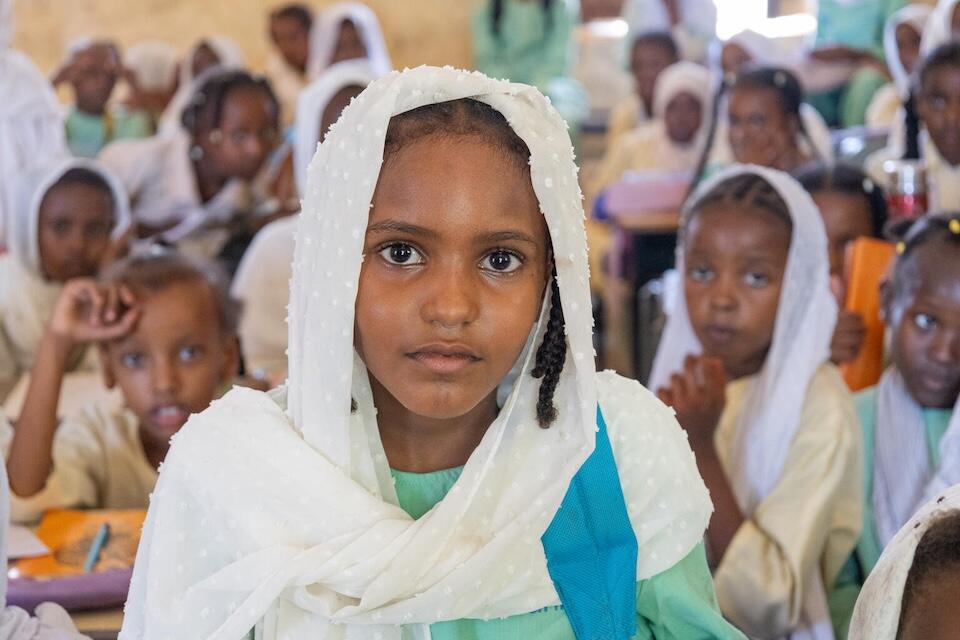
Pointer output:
x,y
103,590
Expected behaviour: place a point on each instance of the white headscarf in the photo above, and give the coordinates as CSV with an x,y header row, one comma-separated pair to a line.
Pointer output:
x,y
313,102
804,326
682,77
308,537
153,63
877,614
326,30
231,58
939,29
913,15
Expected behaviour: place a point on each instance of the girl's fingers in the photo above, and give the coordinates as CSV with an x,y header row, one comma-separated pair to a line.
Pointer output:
x,y
110,308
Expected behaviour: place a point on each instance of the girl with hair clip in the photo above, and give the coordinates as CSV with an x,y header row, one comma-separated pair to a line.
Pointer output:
x,y
911,419
68,214
531,42
759,119
901,49
444,462
913,592
744,363
932,128
347,31
852,206
263,277
192,188
213,52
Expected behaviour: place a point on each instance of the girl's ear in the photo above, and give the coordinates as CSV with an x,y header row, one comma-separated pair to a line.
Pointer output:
x,y
109,378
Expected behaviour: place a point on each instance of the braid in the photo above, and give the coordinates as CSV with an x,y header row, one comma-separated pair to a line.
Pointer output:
x,y
745,189
911,149
551,356
205,109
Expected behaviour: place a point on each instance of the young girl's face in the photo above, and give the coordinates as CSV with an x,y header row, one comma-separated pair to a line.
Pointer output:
x,y
735,258
349,43
926,336
683,117
846,217
939,108
248,133
761,132
292,39
647,61
96,71
74,230
335,107
453,277
908,46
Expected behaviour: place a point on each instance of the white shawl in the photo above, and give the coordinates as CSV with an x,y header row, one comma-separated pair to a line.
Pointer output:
x,y
938,30
806,316
290,517
326,30
877,614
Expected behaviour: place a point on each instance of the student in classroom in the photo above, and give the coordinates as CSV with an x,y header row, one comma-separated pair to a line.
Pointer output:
x,y
151,76
286,67
932,129
92,70
347,31
910,420
692,23
262,282
650,54
852,206
165,327
913,592
68,215
901,47
210,53
744,362
449,327
193,187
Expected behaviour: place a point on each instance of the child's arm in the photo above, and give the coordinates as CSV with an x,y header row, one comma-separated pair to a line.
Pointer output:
x,y
84,313
698,396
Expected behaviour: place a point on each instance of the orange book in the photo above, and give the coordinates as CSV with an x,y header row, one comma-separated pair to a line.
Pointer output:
x,y
867,260
69,536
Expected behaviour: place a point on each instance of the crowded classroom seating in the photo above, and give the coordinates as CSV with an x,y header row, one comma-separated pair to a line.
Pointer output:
x,y
619,319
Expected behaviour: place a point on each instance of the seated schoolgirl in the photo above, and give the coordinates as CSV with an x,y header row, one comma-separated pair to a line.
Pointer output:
x,y
744,362
442,405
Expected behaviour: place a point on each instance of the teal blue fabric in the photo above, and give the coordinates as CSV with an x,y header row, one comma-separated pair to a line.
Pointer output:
x,y
591,549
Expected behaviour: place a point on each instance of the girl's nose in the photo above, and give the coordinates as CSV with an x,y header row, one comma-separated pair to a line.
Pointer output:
x,y
451,302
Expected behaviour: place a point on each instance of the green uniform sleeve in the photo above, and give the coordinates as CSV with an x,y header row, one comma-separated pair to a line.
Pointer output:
x,y
681,603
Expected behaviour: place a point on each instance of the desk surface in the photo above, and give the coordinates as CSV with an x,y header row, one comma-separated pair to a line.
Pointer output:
x,y
652,222
99,624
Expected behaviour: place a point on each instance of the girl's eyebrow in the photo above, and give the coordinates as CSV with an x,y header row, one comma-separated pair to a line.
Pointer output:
x,y
506,236
396,226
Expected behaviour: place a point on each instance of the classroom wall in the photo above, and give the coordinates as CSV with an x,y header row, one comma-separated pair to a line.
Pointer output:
x,y
417,31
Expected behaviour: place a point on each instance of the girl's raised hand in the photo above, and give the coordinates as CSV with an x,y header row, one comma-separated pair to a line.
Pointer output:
x,y
698,396
848,337
90,312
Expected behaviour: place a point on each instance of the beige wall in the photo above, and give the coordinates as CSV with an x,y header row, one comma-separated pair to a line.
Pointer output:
x,y
417,31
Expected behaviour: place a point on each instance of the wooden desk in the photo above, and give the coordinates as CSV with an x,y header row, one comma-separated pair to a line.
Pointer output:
x,y
99,625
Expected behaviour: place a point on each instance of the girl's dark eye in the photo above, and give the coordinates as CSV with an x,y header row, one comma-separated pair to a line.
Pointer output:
x,y
700,274
756,280
133,360
401,253
924,321
502,261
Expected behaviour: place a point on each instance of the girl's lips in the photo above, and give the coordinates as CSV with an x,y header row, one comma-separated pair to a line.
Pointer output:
x,y
720,335
444,359
169,416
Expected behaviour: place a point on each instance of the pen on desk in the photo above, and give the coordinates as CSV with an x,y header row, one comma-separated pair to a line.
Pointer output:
x,y
96,547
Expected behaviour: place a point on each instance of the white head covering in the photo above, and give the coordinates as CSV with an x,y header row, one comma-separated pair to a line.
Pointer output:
x,y
804,326
326,29
877,614
761,49
939,29
154,64
326,542
913,15
312,103
683,77
231,58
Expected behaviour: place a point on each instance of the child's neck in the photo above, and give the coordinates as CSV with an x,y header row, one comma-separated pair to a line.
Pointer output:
x,y
154,448
419,444
209,183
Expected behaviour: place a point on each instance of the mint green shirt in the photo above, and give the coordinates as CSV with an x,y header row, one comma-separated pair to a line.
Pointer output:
x,y
87,134
858,25
679,603
868,550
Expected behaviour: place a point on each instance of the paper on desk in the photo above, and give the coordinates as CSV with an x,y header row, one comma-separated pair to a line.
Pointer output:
x,y
22,543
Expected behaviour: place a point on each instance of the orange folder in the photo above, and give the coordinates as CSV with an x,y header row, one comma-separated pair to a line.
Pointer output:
x,y
867,262
69,536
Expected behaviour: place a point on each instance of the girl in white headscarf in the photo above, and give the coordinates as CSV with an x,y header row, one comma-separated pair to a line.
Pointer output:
x,y
901,48
67,214
942,27
346,31
779,444
262,280
31,120
151,73
911,419
213,51
319,523
693,23
912,593
675,139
